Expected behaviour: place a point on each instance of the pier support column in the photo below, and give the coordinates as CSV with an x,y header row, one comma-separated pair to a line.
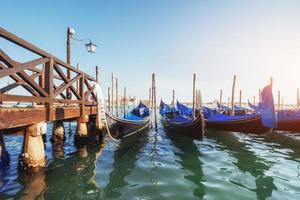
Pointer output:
x,y
82,127
33,155
4,156
58,134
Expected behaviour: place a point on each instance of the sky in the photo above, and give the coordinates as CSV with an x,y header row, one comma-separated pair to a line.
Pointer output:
x,y
255,39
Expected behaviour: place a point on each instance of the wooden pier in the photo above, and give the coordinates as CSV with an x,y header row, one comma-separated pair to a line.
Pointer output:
x,y
47,82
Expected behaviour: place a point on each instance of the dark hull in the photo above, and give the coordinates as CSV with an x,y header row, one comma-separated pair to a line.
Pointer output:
x,y
252,125
288,125
194,129
119,128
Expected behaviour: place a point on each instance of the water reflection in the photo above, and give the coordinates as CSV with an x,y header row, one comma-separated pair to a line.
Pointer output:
x,y
72,178
125,158
189,160
246,161
282,141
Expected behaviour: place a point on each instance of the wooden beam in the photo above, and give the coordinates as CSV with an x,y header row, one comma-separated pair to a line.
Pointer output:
x,y
21,82
10,63
23,43
15,68
9,87
65,86
21,117
66,80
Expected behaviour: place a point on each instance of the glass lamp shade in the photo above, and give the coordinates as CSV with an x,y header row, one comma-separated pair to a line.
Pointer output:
x,y
90,47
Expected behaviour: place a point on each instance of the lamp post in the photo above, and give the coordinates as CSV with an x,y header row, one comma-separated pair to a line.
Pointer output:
x,y
90,47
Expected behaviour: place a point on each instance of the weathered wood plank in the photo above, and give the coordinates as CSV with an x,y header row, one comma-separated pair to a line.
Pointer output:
x,y
19,117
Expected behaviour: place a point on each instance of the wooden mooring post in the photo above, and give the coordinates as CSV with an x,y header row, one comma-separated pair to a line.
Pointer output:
x,y
232,95
194,93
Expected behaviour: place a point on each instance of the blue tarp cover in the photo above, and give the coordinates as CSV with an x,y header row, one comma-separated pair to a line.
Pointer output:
x,y
133,117
288,115
180,119
220,117
183,109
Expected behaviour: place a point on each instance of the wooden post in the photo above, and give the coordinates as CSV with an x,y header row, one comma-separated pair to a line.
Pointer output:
x,y
201,112
278,100
196,100
154,100
240,99
259,95
77,82
194,84
271,82
117,98
228,101
221,95
254,100
112,94
4,156
124,102
69,39
49,87
173,99
33,153
108,98
232,95
150,99
99,124
58,131
297,103
97,74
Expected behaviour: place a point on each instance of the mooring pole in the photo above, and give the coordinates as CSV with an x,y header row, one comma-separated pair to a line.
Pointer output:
x,y
124,102
271,82
112,94
173,101
150,99
254,100
240,99
201,113
194,84
154,100
278,100
221,95
99,124
232,95
69,39
297,103
108,98
117,98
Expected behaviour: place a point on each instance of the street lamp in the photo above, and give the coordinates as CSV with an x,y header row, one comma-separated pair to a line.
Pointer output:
x,y
90,47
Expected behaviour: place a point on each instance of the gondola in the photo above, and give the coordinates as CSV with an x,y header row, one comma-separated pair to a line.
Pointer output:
x,y
134,122
288,120
250,123
176,123
263,120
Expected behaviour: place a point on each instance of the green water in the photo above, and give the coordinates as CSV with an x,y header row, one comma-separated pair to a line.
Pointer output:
x,y
154,165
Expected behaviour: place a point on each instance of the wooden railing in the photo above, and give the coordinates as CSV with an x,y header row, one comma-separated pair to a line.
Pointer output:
x,y
41,83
